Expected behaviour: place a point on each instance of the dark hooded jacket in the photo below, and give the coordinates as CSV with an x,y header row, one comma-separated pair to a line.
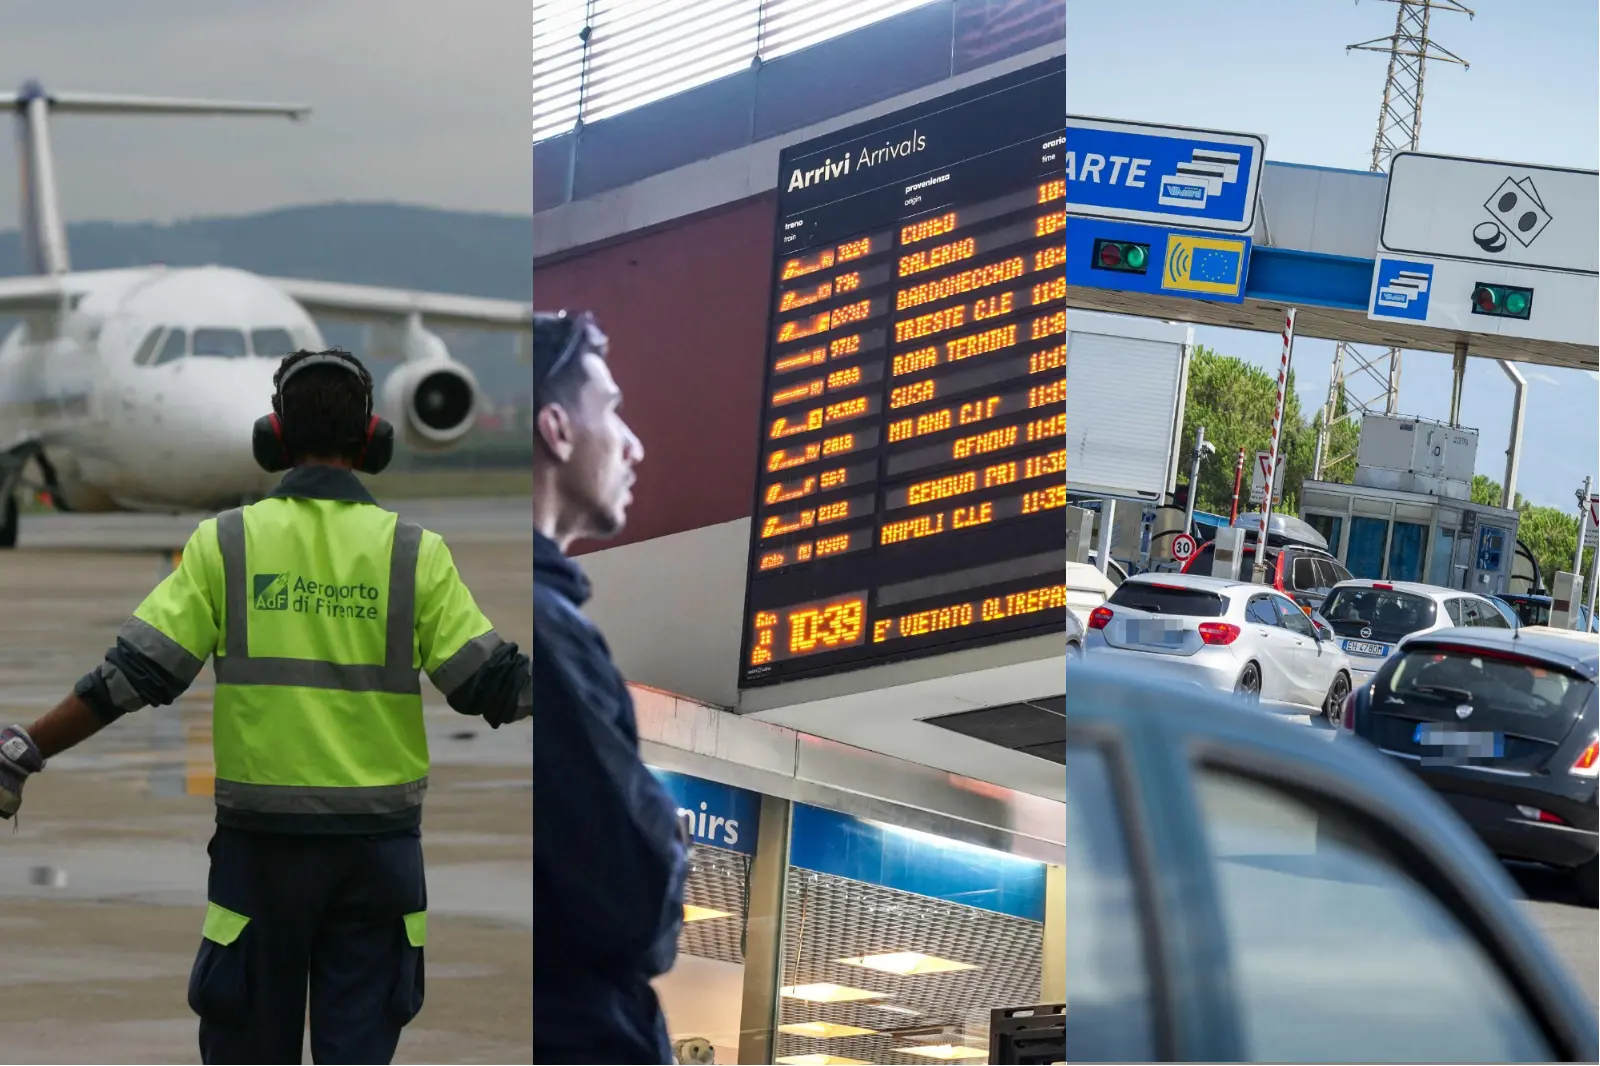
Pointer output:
x,y
609,857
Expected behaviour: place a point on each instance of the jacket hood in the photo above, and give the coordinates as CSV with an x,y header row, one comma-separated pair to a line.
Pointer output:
x,y
553,570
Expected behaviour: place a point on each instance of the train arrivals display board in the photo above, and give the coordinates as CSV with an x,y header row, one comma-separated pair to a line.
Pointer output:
x,y
912,457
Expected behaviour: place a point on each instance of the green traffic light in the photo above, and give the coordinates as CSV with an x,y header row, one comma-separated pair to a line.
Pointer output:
x,y
1502,301
1134,256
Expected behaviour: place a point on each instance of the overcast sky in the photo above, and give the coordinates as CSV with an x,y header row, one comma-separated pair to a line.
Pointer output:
x,y
415,101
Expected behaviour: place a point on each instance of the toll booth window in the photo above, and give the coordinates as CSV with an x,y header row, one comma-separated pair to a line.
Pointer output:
x,y
147,347
271,343
1405,551
1365,557
220,343
1330,526
176,347
1444,540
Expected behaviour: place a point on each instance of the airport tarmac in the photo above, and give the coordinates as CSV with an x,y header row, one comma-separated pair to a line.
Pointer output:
x,y
102,878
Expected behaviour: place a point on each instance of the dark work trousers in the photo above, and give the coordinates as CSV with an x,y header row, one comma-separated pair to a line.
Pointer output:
x,y
326,912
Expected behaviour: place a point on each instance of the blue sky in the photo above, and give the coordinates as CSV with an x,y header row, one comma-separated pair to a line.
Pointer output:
x,y
1532,95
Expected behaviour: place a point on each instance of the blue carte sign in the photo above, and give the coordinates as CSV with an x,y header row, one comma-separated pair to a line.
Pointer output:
x,y
716,815
1166,175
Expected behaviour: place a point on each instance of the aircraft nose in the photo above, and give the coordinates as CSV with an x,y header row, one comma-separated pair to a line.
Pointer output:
x,y
225,398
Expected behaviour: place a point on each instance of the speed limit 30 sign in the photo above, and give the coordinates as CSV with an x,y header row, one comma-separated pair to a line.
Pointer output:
x,y
1183,547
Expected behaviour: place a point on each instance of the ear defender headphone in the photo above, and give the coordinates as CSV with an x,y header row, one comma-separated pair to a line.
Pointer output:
x,y
266,439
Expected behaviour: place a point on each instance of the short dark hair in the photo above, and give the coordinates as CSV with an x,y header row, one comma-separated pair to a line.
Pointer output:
x,y
551,335
325,409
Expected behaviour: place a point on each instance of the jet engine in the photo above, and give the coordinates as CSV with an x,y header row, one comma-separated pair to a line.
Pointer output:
x,y
432,399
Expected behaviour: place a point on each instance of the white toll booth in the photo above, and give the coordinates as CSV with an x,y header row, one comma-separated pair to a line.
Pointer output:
x,y
1410,516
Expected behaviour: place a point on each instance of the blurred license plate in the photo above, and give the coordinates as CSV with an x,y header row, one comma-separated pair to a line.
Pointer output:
x,y
1459,742
1162,631
1363,647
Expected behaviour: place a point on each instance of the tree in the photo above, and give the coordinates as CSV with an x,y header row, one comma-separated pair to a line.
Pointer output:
x,y
1234,401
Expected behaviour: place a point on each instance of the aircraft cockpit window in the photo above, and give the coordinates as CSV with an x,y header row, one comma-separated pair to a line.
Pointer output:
x,y
271,343
220,343
177,347
147,347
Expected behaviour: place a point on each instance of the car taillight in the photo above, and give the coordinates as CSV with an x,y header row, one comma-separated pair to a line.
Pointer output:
x,y
1277,573
1384,587
1588,763
1219,632
1099,617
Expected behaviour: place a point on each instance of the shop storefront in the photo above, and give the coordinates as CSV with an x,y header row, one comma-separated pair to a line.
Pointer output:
x,y
815,936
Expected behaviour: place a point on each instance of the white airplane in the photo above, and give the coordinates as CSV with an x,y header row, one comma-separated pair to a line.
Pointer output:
x,y
136,389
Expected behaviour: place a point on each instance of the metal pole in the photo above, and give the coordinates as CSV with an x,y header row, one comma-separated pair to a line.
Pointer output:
x,y
1238,481
1260,574
1458,382
1583,520
1108,516
1519,409
1194,479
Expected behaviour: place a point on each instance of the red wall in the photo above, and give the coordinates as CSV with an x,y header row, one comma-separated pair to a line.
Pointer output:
x,y
685,307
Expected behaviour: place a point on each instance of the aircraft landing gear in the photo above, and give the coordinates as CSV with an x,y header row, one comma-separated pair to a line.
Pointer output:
x,y
12,464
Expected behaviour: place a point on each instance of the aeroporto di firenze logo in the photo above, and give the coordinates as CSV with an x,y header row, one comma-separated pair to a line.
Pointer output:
x,y
326,599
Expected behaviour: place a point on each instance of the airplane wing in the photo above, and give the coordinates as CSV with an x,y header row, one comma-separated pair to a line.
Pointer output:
x,y
31,294
370,302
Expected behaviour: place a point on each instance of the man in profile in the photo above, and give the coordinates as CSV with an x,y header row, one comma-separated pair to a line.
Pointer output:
x,y
609,855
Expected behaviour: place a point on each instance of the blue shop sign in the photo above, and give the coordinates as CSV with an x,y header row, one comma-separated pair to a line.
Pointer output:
x,y
920,863
715,815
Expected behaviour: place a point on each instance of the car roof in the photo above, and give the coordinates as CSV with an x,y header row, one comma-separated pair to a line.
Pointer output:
x,y
1415,588
1199,582
1525,597
1569,649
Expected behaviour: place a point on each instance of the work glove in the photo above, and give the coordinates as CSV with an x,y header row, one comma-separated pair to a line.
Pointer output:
x,y
19,757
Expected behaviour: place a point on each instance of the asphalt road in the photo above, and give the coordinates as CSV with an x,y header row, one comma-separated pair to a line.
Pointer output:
x,y
1572,929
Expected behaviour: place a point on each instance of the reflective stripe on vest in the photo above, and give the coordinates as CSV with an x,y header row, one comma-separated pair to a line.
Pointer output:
x,y
397,674
313,799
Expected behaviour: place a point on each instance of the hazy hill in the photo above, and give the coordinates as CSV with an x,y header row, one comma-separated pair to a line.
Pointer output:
x,y
372,244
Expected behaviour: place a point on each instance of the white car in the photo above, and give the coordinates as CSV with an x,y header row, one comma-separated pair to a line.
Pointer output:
x,y
1369,617
1222,635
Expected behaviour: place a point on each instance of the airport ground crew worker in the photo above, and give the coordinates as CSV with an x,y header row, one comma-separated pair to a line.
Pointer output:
x,y
609,853
320,608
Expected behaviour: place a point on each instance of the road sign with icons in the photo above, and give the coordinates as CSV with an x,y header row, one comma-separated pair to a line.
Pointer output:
x,y
1488,211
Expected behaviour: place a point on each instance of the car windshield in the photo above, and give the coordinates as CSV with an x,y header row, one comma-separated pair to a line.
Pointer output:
x,y
1507,684
1167,599
1369,613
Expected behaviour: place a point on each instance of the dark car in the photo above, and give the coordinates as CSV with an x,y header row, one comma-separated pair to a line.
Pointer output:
x,y
1502,724
1297,566
1533,609
1237,889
